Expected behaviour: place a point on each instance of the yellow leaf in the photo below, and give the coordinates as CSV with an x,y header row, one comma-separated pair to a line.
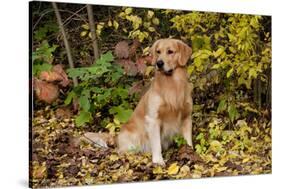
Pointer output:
x,y
245,160
128,10
155,21
116,121
115,24
145,51
229,73
85,26
150,14
151,29
148,70
109,23
83,33
218,52
173,169
122,15
157,170
220,169
113,157
39,171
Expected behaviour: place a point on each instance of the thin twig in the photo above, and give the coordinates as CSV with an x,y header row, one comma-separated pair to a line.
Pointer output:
x,y
61,10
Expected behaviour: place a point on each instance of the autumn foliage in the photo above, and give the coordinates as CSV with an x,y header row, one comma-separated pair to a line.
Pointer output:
x,y
230,69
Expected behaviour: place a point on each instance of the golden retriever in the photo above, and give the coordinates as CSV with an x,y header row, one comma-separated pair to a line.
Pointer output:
x,y
165,109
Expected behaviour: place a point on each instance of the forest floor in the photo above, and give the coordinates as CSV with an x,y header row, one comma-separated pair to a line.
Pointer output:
x,y
56,161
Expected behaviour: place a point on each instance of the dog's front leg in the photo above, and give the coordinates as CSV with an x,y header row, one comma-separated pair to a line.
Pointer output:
x,y
152,126
153,131
187,130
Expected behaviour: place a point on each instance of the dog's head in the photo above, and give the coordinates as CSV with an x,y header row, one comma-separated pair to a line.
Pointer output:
x,y
168,54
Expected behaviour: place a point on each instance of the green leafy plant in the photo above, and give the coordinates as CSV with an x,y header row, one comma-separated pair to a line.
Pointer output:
x,y
179,140
43,57
100,91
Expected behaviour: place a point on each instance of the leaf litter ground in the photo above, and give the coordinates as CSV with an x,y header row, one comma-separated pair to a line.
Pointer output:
x,y
57,161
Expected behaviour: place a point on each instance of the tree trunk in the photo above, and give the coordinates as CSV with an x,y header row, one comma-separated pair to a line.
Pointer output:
x,y
268,91
66,43
257,92
93,31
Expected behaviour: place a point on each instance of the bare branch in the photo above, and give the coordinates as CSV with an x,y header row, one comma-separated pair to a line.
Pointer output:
x,y
66,43
93,31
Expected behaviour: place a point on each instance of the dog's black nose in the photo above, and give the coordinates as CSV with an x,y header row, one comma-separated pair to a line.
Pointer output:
x,y
160,63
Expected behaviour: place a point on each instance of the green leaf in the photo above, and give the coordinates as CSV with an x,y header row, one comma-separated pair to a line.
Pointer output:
x,y
105,58
83,118
121,113
229,73
84,102
232,112
222,106
38,68
69,98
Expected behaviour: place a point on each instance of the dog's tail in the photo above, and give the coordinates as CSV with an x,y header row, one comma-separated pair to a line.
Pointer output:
x,y
104,140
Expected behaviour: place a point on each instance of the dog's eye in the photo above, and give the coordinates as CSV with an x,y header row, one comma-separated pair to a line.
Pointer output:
x,y
158,52
170,52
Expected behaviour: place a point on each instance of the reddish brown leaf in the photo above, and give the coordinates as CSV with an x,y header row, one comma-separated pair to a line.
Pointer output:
x,y
45,91
128,66
122,50
56,74
59,69
134,47
148,59
137,87
63,113
141,65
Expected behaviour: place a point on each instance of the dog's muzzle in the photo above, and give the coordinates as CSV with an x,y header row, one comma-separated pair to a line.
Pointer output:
x,y
160,66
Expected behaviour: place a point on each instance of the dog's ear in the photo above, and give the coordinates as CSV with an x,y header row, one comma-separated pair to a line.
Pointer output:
x,y
153,51
184,53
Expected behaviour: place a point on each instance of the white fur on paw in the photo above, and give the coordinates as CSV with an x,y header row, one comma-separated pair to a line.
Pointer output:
x,y
158,160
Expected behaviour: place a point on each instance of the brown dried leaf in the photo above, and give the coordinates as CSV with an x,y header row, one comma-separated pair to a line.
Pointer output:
x,y
63,113
137,87
128,66
56,74
141,65
122,50
134,47
45,91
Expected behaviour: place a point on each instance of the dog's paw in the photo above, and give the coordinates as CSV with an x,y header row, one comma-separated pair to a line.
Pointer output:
x,y
158,160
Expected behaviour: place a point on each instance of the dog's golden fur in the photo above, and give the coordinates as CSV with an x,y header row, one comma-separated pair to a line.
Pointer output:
x,y
165,109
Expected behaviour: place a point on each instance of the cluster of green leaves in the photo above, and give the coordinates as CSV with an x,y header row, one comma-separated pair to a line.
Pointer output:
x,y
48,28
100,92
43,57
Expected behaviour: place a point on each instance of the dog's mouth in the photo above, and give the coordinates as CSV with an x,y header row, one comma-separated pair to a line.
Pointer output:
x,y
169,72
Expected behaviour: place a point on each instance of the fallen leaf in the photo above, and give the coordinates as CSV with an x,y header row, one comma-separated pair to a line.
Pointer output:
x,y
157,170
173,169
